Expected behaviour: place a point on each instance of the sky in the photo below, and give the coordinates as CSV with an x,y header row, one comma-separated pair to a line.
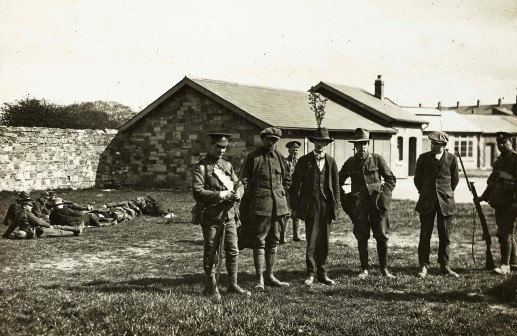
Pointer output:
x,y
131,52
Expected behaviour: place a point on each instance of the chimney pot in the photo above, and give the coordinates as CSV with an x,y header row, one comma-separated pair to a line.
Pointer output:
x,y
439,105
499,102
419,104
379,88
479,102
457,104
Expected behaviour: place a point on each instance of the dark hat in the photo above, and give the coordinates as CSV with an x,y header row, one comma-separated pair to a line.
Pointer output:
x,y
360,134
440,137
26,201
321,134
24,195
220,139
44,194
52,193
503,136
293,144
57,201
271,132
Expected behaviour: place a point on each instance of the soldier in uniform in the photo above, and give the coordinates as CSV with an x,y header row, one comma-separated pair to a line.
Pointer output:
x,y
266,179
213,185
368,203
64,214
436,177
41,208
315,195
292,159
501,195
14,208
28,226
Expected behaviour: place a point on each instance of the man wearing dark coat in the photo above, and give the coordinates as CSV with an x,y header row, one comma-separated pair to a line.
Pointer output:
x,y
501,194
314,196
266,179
368,202
213,185
436,177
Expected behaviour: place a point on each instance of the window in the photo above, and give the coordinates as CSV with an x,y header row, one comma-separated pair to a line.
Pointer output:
x,y
400,147
464,145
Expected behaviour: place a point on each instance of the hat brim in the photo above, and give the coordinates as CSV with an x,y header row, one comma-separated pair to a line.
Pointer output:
x,y
270,136
222,143
360,140
328,140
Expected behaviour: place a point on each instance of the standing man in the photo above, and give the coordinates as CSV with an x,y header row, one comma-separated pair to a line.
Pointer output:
x,y
292,160
266,179
213,185
314,196
368,203
501,194
436,177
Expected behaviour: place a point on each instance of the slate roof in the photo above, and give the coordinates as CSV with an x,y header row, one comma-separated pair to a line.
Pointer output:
x,y
385,108
490,124
270,107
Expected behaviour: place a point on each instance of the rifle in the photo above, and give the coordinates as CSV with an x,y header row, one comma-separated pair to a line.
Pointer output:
x,y
489,260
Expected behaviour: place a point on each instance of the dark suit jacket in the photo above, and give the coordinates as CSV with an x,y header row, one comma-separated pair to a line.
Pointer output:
x,y
304,178
259,199
436,185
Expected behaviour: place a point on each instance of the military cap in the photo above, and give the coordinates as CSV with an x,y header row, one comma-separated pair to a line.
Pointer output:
x,y
52,193
503,136
57,201
271,132
440,137
360,135
293,144
27,201
220,139
321,134
44,194
24,195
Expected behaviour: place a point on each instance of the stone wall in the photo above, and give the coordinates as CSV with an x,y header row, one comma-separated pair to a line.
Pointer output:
x,y
36,158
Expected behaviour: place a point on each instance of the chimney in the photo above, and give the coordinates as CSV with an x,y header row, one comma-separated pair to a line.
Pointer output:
x,y
379,88
499,102
439,105
478,102
419,104
457,104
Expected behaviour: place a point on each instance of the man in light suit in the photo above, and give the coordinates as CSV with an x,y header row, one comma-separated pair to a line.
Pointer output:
x,y
314,195
436,177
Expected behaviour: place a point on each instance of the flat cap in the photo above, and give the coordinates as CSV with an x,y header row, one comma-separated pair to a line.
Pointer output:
x,y
27,201
440,137
503,136
220,139
271,132
293,144
24,195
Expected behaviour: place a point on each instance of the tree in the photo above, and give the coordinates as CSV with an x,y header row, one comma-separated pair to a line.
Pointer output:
x,y
317,103
32,112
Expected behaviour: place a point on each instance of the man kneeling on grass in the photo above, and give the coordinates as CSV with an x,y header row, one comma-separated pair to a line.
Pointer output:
x,y
28,226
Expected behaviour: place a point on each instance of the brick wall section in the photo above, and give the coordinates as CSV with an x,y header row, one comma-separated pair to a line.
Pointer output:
x,y
160,150
35,158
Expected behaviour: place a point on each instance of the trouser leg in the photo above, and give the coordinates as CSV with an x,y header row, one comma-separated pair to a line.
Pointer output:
x,y
424,243
362,247
296,229
443,226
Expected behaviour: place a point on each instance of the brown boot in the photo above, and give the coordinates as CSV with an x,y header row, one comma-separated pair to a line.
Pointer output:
x,y
258,260
232,269
269,277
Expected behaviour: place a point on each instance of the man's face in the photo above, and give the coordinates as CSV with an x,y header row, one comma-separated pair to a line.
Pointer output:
x,y
361,147
217,150
293,151
504,146
269,143
27,206
319,146
437,147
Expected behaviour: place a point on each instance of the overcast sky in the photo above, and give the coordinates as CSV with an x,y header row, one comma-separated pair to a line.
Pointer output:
x,y
131,52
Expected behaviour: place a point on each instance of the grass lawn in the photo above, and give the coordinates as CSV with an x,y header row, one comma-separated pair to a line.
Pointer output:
x,y
145,278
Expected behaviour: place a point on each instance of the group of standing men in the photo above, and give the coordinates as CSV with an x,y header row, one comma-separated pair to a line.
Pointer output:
x,y
271,188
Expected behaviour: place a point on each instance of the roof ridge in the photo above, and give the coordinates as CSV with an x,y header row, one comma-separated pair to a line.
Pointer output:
x,y
245,85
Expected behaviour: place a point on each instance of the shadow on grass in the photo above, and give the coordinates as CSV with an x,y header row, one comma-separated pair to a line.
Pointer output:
x,y
199,242
506,292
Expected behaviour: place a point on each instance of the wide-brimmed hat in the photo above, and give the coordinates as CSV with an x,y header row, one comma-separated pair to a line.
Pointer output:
x,y
293,144
271,132
321,134
26,201
503,136
439,137
57,201
360,134
220,139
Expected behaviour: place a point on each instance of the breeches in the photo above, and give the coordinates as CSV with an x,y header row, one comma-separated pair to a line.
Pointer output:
x,y
230,239
505,220
266,231
367,219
